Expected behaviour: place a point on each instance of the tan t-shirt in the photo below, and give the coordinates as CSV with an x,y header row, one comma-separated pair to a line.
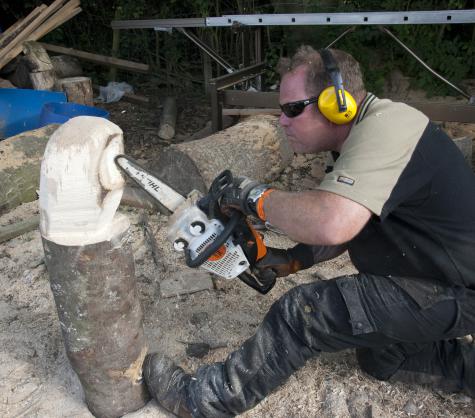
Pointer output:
x,y
377,150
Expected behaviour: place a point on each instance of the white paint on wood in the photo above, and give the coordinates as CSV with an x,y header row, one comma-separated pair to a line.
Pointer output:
x,y
80,185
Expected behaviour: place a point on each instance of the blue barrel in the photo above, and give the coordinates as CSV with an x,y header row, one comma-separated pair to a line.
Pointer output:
x,y
20,109
62,112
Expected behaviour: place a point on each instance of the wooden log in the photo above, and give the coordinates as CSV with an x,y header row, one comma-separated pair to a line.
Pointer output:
x,y
21,74
16,229
43,80
20,159
256,148
99,59
36,57
90,263
138,198
168,119
66,66
42,75
77,89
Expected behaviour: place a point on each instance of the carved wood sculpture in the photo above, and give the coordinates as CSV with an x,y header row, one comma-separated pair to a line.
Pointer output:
x,y
90,264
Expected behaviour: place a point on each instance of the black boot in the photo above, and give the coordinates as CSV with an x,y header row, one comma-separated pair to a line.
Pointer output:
x,y
167,383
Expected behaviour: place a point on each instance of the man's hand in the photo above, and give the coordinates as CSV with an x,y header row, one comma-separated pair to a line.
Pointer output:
x,y
279,261
243,195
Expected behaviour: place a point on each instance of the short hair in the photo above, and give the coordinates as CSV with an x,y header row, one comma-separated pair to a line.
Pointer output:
x,y
317,78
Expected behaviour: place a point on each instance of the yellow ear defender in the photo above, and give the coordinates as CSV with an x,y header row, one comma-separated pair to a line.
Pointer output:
x,y
334,102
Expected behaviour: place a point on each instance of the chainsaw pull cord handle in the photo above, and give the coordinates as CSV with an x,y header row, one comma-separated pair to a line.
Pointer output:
x,y
217,188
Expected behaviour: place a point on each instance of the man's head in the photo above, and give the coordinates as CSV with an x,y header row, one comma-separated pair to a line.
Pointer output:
x,y
303,77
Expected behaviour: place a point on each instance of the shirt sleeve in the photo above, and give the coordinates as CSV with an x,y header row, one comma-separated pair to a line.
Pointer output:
x,y
375,154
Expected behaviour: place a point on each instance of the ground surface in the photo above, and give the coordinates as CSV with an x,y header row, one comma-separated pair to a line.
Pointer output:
x,y
36,379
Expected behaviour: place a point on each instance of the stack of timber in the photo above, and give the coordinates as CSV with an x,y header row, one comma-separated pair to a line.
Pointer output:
x,y
42,20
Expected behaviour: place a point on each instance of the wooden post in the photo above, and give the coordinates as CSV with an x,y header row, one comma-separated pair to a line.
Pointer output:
x,y
90,264
168,119
115,45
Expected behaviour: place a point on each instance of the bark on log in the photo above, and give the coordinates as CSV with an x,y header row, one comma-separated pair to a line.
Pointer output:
x,y
101,321
89,259
20,158
168,119
77,89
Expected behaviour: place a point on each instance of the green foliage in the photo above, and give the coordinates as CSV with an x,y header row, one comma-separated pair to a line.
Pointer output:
x,y
449,49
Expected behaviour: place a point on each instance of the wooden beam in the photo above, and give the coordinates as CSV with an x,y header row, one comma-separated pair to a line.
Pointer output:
x,y
250,112
446,112
437,111
99,59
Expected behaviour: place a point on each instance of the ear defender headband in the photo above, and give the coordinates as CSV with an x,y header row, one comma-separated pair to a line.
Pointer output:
x,y
334,102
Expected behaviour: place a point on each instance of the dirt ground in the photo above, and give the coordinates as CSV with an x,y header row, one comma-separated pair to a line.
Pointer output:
x,y
36,379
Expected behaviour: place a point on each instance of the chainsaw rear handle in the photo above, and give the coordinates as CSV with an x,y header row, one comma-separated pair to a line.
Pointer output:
x,y
262,283
215,245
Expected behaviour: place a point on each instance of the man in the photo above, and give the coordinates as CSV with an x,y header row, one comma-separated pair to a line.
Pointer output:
x,y
401,200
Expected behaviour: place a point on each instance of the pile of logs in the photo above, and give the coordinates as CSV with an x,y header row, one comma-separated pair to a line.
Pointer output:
x,y
37,24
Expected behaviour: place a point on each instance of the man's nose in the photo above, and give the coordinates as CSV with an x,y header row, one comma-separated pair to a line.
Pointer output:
x,y
284,120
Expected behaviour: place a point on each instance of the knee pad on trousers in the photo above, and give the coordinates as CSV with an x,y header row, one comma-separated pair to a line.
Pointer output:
x,y
381,363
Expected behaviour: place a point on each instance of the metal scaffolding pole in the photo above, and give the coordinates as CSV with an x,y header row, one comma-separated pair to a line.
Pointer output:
x,y
299,19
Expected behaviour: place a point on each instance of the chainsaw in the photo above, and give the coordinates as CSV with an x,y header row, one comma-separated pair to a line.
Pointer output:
x,y
226,245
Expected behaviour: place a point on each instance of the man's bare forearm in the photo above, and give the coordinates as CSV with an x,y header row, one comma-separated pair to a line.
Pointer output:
x,y
315,217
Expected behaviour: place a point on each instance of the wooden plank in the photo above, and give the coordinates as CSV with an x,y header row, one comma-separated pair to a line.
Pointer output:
x,y
250,99
17,27
50,25
437,111
69,10
99,59
23,36
446,112
250,112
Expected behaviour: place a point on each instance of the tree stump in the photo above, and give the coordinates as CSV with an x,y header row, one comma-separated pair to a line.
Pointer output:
x,y
168,119
90,263
20,159
77,89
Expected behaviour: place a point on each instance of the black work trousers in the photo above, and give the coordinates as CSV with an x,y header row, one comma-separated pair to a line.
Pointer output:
x,y
394,323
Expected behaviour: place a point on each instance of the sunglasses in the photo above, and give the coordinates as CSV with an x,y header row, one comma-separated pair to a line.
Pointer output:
x,y
293,109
